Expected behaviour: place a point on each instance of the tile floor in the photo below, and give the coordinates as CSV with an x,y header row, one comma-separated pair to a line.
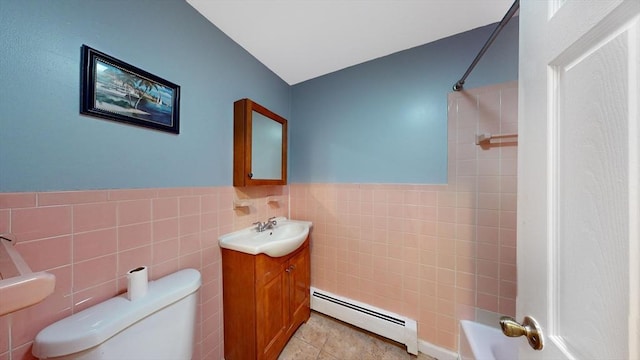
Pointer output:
x,y
325,338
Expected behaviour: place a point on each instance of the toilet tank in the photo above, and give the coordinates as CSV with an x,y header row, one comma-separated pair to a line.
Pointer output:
x,y
159,325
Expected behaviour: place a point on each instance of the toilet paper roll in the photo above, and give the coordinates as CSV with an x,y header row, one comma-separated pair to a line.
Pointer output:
x,y
137,283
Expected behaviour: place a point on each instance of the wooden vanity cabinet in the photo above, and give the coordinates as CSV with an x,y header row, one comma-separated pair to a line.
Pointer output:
x,y
265,300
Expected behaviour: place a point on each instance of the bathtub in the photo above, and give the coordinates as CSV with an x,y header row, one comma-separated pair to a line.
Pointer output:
x,y
482,342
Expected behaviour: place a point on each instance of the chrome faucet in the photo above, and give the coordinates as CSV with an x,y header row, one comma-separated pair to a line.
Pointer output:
x,y
269,224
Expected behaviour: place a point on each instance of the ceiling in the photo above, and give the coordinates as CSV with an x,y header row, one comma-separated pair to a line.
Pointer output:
x,y
303,39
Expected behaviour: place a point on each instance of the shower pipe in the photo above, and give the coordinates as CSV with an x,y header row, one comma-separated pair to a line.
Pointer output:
x,y
516,5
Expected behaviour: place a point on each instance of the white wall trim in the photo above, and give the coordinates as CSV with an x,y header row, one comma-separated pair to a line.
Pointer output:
x,y
436,351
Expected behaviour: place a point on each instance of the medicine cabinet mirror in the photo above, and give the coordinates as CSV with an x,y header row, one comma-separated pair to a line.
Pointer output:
x,y
259,145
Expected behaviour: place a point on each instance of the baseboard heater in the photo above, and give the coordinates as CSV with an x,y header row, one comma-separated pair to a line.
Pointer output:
x,y
367,317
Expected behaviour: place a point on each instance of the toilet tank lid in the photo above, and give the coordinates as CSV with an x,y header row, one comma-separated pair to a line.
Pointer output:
x,y
94,325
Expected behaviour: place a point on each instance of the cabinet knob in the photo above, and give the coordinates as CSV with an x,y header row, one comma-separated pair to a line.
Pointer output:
x,y
290,268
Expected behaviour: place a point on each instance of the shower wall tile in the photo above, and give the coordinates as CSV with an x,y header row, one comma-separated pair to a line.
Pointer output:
x,y
133,236
4,341
71,197
4,221
90,239
94,216
93,244
47,253
86,298
41,222
17,200
164,208
165,229
133,212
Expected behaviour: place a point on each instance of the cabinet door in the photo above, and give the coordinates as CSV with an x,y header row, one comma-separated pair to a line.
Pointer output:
x,y
299,276
272,315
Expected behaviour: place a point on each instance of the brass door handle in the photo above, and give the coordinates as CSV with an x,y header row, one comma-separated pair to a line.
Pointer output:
x,y
529,328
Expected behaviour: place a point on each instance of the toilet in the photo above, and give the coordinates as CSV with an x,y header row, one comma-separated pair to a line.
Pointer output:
x,y
160,325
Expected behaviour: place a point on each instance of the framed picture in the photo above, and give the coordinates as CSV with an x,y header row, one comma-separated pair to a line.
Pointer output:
x,y
114,90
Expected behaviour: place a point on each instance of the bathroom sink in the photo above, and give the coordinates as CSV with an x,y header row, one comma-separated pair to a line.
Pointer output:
x,y
284,238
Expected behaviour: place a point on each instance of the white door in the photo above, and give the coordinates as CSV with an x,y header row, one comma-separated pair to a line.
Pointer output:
x,y
578,177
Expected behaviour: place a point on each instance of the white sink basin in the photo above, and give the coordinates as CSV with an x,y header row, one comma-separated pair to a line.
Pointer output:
x,y
283,239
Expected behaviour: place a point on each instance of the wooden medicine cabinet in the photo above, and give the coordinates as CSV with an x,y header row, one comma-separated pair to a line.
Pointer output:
x,y
259,145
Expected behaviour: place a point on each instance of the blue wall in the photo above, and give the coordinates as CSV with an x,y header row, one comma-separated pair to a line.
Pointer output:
x,y
46,145
385,121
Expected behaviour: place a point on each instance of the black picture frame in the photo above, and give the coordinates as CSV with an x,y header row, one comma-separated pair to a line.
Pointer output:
x,y
114,90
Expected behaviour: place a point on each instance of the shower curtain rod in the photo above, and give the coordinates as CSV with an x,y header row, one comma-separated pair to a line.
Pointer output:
x,y
516,5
